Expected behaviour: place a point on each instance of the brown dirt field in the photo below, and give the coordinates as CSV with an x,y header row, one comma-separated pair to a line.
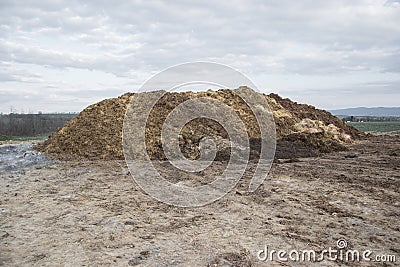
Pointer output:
x,y
91,213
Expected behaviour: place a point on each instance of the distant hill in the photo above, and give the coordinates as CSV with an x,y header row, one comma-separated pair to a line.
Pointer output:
x,y
362,111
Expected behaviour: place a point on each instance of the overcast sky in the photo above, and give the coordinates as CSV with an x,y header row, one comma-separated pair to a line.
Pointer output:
x,y
58,56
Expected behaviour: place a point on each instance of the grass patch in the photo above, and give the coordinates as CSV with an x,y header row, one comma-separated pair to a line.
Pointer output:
x,y
377,127
23,138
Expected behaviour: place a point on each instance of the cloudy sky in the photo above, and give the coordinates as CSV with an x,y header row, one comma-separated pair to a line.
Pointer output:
x,y
58,56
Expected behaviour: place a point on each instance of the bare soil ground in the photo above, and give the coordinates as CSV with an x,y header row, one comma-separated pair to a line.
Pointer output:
x,y
91,213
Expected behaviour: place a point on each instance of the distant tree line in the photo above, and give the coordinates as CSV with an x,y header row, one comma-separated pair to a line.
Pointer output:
x,y
32,124
370,119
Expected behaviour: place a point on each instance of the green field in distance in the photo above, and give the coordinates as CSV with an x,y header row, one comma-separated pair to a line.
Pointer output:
x,y
377,127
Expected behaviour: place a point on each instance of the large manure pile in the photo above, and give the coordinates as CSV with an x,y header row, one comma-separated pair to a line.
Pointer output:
x,y
96,133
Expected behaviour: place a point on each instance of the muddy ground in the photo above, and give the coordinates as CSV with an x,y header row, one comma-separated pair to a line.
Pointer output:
x,y
91,213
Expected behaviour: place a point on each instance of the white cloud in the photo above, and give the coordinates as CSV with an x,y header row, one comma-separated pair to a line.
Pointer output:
x,y
127,41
